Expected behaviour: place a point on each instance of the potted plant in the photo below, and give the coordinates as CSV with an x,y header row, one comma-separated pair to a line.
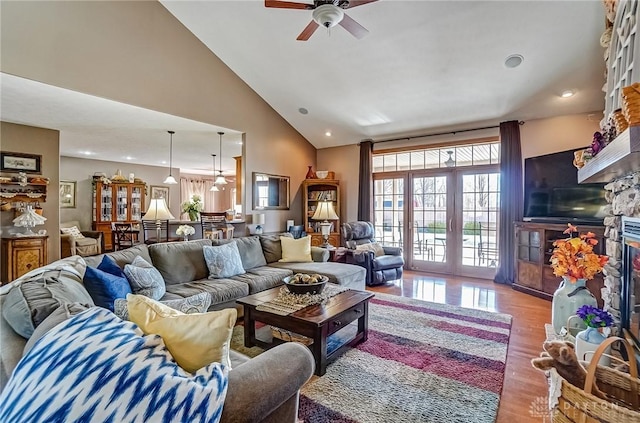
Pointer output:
x,y
589,339
184,231
193,207
573,259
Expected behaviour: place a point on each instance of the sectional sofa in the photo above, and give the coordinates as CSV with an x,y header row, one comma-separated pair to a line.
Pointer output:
x,y
262,389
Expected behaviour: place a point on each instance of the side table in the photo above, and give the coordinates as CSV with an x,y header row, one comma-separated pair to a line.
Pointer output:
x,y
22,254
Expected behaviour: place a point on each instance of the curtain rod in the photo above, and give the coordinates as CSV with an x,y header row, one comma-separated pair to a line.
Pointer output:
x,y
439,133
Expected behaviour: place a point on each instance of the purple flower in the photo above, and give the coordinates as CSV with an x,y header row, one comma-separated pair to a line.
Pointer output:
x,y
595,317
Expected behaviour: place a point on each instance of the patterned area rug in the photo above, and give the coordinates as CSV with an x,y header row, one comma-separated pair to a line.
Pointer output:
x,y
423,362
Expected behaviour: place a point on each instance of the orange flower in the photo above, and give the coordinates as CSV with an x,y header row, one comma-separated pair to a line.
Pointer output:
x,y
574,257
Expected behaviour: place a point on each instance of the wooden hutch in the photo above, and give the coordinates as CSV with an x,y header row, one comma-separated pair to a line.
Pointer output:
x,y
314,191
122,202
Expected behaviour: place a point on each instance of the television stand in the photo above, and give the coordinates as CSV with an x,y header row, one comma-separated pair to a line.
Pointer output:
x,y
533,249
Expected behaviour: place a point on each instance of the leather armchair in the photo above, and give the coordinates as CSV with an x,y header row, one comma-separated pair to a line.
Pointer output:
x,y
380,269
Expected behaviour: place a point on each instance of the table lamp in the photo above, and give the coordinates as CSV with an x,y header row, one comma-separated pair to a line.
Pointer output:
x,y
158,211
258,220
29,219
325,212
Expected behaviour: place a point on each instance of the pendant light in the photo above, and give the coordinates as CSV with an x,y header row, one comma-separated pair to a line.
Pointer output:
x,y
220,178
450,162
170,180
214,188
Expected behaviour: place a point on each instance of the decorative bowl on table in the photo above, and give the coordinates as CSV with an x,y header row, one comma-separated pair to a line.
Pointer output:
x,y
301,283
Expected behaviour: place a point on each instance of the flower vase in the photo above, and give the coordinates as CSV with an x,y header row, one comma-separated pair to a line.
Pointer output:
x,y
567,299
310,173
193,215
185,238
587,342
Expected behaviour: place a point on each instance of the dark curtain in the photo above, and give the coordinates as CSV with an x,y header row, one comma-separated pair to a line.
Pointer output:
x,y
365,190
511,202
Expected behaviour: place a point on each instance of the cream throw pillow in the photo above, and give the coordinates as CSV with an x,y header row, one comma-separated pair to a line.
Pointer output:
x,y
296,250
194,340
73,231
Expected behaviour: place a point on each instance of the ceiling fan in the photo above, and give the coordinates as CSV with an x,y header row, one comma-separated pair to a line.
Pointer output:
x,y
327,13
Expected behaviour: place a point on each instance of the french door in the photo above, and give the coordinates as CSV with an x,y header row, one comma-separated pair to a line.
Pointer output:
x,y
449,221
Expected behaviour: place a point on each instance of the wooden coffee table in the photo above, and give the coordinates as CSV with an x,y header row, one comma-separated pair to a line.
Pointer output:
x,y
316,322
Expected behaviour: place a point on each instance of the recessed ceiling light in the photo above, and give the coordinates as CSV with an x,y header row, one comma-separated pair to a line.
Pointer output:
x,y
129,158
513,61
328,133
303,111
87,153
567,93
163,162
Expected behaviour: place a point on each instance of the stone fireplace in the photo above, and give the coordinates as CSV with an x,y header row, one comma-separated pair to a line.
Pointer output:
x,y
623,195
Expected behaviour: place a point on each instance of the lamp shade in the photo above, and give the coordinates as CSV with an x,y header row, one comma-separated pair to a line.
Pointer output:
x,y
325,211
259,218
157,210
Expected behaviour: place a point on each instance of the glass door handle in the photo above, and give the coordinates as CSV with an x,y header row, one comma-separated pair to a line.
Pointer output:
x,y
451,225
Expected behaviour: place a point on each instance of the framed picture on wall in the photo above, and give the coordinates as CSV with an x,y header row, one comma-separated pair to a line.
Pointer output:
x,y
68,194
20,162
159,192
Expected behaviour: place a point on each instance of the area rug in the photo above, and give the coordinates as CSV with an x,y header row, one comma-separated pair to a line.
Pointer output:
x,y
423,362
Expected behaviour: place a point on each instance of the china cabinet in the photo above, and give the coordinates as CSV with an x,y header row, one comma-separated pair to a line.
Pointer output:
x,y
121,202
314,191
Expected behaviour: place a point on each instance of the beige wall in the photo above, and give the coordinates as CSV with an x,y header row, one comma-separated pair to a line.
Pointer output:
x,y
138,53
545,136
45,142
345,162
82,170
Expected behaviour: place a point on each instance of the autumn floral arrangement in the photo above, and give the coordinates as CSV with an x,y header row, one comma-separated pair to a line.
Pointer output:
x,y
573,257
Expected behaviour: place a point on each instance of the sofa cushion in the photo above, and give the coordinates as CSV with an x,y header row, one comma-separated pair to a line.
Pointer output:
x,y
194,340
272,247
180,262
122,257
144,278
296,250
104,286
223,261
62,313
249,248
262,278
78,373
221,290
387,262
198,303
348,275
35,295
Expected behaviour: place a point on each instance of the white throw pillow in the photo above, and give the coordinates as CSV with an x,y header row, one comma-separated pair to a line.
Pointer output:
x,y
95,367
145,279
296,250
73,231
223,261
197,303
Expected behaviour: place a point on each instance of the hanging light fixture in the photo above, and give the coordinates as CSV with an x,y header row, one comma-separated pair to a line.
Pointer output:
x,y
450,162
214,187
220,178
170,179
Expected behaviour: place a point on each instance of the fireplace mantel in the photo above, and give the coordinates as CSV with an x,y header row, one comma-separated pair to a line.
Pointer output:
x,y
620,158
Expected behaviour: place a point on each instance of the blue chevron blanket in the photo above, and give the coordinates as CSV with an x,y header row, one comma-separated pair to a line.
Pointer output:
x,y
95,367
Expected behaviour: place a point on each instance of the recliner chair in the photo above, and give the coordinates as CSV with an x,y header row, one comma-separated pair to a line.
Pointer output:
x,y
380,269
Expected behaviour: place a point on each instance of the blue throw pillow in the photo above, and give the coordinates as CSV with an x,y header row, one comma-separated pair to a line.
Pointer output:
x,y
95,367
104,287
109,265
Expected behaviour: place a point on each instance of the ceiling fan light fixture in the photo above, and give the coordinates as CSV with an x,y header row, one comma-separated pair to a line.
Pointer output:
x,y
170,180
327,15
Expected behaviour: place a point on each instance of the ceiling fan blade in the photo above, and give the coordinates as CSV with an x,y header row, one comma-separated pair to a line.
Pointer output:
x,y
287,5
308,31
353,27
355,3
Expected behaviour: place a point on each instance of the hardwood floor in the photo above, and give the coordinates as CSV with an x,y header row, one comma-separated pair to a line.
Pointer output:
x,y
523,386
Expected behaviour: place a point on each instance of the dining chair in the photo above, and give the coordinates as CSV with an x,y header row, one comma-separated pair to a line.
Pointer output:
x,y
214,225
124,235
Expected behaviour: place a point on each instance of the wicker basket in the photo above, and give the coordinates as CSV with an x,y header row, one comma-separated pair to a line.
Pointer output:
x,y
579,405
631,104
289,336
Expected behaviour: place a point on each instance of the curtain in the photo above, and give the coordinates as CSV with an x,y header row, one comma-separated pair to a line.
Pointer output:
x,y
193,186
511,199
365,191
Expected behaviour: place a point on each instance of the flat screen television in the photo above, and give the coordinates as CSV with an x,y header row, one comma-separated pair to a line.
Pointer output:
x,y
552,192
